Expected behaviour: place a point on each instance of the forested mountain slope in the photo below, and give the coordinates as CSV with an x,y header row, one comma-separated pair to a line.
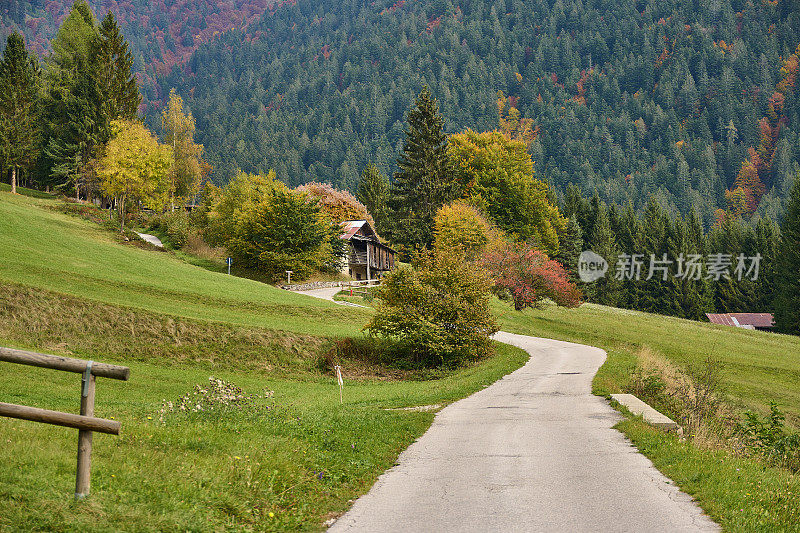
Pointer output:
x,y
162,33
631,99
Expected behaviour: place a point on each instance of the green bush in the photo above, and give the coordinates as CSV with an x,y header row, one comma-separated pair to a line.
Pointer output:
x,y
178,228
768,438
284,231
175,225
437,314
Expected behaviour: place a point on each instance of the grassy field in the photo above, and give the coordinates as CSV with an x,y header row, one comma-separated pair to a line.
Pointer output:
x,y
42,248
287,462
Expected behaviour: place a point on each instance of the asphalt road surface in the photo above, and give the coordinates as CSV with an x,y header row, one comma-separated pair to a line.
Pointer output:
x,y
533,452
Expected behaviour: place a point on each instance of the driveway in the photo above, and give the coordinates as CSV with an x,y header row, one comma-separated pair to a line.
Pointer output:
x,y
328,294
533,452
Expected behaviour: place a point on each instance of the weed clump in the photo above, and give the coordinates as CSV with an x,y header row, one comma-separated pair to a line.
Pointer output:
x,y
218,395
766,437
695,398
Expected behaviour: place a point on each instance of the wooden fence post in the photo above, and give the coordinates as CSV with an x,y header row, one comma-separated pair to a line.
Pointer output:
x,y
84,473
86,423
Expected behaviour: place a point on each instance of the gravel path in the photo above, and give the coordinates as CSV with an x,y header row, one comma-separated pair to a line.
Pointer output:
x,y
152,239
328,294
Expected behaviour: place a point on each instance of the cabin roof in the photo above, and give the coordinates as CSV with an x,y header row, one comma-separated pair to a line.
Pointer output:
x,y
350,229
756,320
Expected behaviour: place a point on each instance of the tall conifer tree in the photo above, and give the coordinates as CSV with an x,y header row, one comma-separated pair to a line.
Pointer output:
x,y
372,191
116,84
72,116
20,79
425,181
787,286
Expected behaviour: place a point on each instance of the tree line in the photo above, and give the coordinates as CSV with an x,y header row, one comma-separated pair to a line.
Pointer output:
x,y
71,123
670,265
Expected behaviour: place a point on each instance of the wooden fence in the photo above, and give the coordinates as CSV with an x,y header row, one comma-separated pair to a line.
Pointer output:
x,y
85,422
352,285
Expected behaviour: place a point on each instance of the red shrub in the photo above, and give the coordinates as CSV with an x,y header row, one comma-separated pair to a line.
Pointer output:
x,y
529,276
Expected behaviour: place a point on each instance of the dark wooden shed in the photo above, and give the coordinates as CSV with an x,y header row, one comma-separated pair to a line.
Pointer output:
x,y
367,256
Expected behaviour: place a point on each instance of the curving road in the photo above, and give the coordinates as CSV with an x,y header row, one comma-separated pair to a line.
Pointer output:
x,y
533,452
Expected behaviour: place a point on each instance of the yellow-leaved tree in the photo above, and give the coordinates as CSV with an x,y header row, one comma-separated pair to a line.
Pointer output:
x,y
135,168
459,226
179,128
496,174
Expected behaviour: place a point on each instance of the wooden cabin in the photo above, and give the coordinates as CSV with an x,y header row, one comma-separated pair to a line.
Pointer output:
x,y
367,256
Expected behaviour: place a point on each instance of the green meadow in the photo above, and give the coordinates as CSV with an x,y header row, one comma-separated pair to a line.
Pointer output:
x,y
293,459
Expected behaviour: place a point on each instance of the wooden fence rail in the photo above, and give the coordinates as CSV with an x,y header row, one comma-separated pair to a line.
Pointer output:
x,y
86,423
350,285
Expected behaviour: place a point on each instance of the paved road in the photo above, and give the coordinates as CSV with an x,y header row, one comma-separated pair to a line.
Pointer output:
x,y
533,452
328,294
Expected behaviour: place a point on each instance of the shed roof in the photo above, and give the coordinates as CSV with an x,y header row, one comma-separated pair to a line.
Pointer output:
x,y
756,320
351,227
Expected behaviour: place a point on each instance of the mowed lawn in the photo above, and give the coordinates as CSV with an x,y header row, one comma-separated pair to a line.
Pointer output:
x,y
46,249
758,367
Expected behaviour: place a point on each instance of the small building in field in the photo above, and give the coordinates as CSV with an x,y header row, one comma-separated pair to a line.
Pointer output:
x,y
367,257
760,321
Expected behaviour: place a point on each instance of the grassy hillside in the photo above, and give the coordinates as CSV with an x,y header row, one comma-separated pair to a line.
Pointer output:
x,y
286,462
42,248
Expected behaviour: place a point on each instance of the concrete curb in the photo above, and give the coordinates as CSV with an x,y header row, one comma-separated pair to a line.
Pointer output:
x,y
640,408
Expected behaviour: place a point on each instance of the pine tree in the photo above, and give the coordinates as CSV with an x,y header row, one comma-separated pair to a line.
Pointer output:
x,y
116,84
787,279
72,119
20,78
655,297
691,296
425,180
372,191
603,242
570,242
729,296
629,240
768,244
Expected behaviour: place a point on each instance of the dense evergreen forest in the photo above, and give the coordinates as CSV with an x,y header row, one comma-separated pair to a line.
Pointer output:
x,y
691,102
